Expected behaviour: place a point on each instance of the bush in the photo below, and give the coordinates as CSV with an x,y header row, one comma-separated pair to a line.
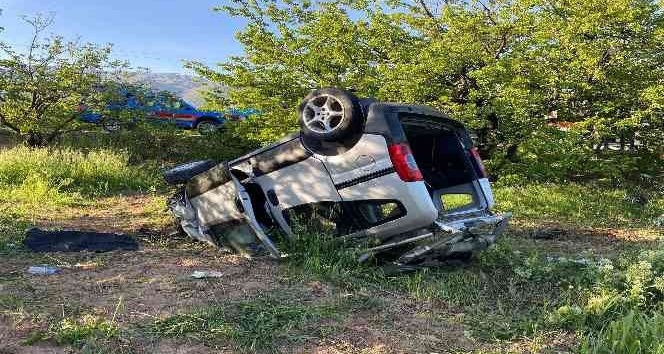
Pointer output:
x,y
551,155
634,333
163,143
632,285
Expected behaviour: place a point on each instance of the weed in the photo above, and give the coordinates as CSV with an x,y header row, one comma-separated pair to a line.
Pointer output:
x,y
10,302
634,333
77,331
322,255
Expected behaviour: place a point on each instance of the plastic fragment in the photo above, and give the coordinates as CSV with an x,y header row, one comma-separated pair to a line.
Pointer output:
x,y
206,274
43,270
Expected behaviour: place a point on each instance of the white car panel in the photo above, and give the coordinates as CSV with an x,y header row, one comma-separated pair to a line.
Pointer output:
x,y
488,193
369,155
420,210
217,206
304,182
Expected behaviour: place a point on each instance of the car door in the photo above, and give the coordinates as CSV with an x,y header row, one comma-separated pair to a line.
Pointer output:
x,y
184,114
224,208
163,113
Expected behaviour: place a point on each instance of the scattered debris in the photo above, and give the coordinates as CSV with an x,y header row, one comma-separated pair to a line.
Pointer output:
x,y
39,240
43,270
201,274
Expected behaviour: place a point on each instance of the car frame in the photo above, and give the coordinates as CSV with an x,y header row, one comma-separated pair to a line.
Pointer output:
x,y
370,172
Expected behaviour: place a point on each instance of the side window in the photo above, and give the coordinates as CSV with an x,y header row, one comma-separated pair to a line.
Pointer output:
x,y
375,212
323,217
342,218
176,104
172,103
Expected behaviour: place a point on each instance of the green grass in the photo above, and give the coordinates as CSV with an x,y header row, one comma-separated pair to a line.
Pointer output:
x,y
88,332
582,205
259,324
634,333
47,173
12,232
71,331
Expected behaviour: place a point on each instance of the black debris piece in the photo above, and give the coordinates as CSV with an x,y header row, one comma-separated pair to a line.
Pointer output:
x,y
39,240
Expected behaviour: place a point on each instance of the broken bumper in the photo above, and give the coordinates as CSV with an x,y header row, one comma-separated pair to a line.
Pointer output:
x,y
457,237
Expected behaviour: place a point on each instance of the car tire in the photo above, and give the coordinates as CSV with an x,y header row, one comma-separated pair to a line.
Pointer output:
x,y
207,126
110,125
331,115
183,173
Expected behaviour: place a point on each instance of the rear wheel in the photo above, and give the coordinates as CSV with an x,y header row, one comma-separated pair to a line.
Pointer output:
x,y
330,114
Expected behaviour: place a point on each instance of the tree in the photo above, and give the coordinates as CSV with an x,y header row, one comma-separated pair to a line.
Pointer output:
x,y
43,88
500,66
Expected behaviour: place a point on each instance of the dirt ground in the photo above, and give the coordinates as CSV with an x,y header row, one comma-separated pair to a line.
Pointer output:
x,y
135,288
139,287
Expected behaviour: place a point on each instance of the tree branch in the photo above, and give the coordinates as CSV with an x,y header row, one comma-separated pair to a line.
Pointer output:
x,y
430,14
488,13
3,121
503,45
58,131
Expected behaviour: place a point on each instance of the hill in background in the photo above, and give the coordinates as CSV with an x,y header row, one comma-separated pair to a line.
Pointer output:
x,y
186,86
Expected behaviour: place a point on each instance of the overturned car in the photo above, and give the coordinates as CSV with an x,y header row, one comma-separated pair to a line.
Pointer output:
x,y
404,181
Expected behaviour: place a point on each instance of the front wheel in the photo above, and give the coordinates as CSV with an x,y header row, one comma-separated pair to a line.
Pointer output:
x,y
110,125
206,127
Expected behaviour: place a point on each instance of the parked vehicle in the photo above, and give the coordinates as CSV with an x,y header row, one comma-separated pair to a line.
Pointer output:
x,y
404,179
156,109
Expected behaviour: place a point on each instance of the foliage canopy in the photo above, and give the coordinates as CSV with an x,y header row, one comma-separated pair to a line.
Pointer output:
x,y
504,67
42,88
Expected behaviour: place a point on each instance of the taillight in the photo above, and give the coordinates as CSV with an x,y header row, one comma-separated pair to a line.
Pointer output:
x,y
478,164
404,163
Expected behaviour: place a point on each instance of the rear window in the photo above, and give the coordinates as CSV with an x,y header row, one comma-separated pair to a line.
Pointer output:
x,y
342,218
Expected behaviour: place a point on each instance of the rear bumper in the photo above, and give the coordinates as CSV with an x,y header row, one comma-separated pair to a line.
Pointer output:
x,y
458,237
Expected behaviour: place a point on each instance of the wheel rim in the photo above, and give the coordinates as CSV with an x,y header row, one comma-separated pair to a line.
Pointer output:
x,y
323,114
207,127
111,125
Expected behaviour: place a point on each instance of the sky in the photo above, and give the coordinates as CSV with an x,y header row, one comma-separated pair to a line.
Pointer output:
x,y
157,34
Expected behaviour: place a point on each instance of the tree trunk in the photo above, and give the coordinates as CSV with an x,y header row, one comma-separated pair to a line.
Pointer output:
x,y
512,153
35,139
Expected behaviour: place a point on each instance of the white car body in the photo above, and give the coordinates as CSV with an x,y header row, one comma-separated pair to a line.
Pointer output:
x,y
388,185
